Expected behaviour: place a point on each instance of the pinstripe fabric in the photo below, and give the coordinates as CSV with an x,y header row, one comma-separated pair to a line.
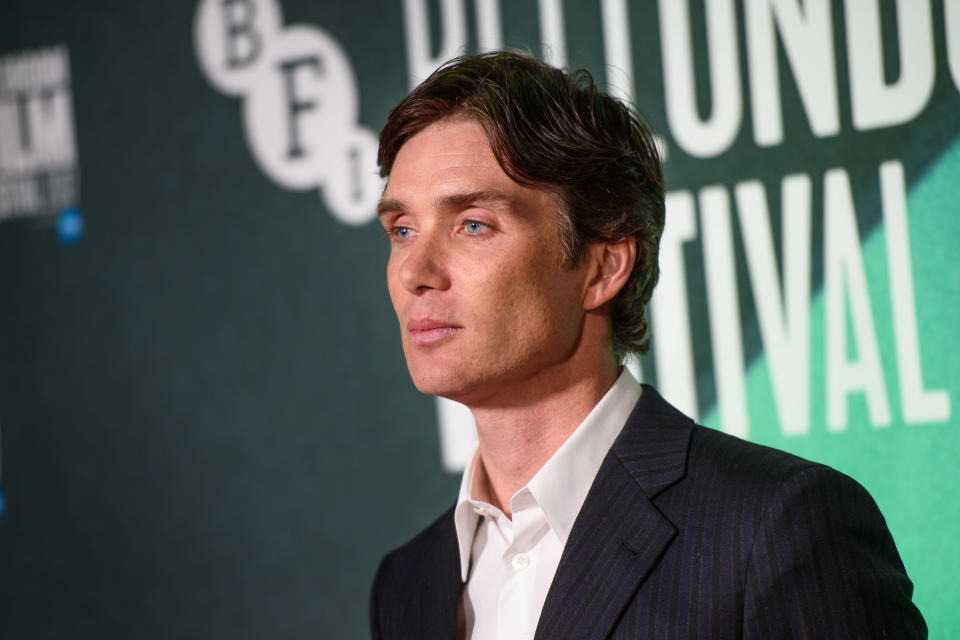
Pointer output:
x,y
688,533
417,588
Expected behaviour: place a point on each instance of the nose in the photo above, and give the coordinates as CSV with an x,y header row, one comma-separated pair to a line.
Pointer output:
x,y
423,265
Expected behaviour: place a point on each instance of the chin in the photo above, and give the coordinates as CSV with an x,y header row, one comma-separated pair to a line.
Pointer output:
x,y
436,381
433,375
434,386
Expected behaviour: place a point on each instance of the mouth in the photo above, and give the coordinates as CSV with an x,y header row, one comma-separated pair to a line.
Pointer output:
x,y
427,331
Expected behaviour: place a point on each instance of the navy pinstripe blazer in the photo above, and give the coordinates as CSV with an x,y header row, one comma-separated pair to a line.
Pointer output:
x,y
687,533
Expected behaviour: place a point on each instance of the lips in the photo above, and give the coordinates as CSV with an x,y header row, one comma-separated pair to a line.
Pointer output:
x,y
428,331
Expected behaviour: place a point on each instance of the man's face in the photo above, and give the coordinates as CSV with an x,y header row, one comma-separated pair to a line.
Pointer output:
x,y
476,272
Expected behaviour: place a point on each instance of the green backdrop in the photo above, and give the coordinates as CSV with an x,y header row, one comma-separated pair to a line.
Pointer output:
x,y
206,425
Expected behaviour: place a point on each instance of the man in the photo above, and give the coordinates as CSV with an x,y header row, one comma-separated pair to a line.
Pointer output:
x,y
524,209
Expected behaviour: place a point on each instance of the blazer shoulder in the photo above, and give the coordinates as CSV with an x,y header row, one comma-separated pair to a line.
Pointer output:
x,y
811,542
660,445
409,559
750,479
729,458
416,587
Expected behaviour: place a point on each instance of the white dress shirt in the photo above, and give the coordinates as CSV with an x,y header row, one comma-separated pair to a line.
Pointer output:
x,y
508,565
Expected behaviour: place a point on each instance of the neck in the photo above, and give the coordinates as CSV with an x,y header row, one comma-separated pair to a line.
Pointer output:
x,y
517,435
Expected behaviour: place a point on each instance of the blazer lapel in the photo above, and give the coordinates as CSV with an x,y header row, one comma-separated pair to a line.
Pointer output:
x,y
619,535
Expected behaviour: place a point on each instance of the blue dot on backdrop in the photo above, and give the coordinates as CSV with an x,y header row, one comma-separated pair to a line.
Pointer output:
x,y
70,225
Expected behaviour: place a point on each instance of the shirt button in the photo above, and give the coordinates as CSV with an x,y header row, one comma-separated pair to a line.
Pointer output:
x,y
520,562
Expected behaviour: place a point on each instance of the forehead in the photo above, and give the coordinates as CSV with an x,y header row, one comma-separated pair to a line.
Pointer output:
x,y
447,145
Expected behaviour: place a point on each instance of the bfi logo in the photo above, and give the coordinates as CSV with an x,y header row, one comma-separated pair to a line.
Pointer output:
x,y
301,102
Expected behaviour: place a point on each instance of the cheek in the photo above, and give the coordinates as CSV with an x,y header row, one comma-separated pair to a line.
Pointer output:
x,y
537,301
558,301
394,289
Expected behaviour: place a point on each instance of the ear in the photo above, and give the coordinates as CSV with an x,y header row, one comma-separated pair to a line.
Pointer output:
x,y
611,263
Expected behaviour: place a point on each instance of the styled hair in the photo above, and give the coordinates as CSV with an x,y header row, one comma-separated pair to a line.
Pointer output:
x,y
556,131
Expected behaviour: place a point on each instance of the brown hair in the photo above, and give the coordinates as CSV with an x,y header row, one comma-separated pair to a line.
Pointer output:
x,y
557,131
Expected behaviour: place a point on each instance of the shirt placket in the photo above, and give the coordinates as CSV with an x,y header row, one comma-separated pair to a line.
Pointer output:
x,y
518,605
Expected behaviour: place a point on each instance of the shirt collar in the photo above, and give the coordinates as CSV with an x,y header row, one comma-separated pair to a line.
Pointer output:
x,y
561,485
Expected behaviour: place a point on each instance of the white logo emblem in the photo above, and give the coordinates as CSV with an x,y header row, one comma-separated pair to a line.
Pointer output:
x,y
300,102
38,152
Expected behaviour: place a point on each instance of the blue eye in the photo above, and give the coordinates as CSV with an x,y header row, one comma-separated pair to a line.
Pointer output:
x,y
475,228
402,233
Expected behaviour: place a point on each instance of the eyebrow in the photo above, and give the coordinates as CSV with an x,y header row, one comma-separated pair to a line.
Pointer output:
x,y
451,201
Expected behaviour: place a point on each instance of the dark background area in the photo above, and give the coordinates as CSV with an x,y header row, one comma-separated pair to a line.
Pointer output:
x,y
208,430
